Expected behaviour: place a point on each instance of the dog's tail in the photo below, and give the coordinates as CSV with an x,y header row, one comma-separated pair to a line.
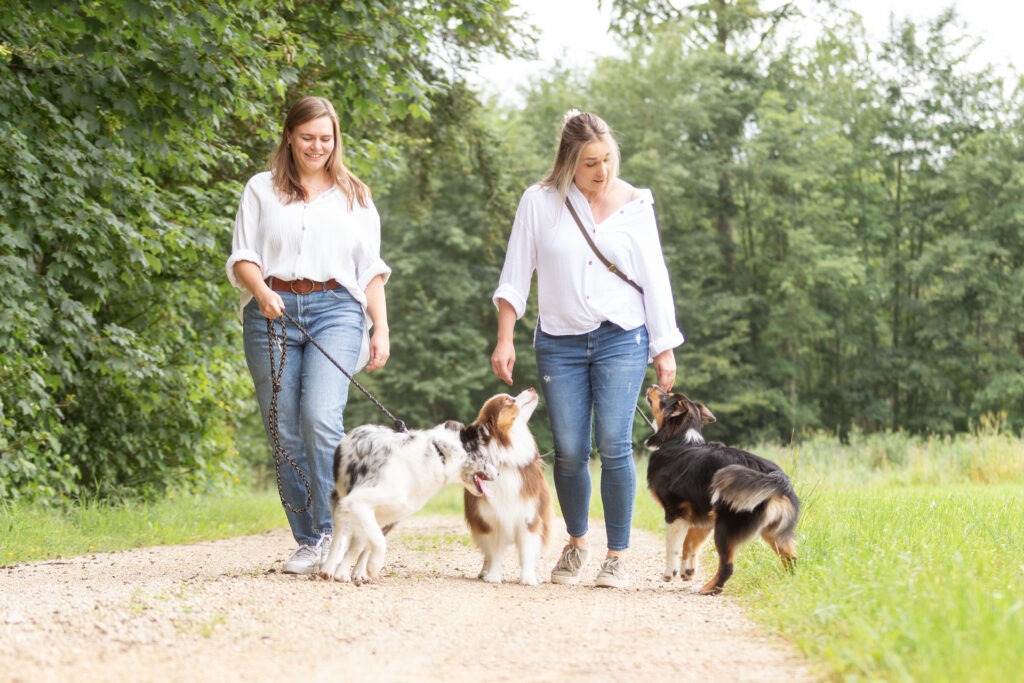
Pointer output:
x,y
742,489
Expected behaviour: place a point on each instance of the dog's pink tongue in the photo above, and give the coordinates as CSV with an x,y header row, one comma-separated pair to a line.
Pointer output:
x,y
481,486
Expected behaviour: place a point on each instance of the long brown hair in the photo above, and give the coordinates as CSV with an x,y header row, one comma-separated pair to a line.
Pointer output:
x,y
578,130
286,176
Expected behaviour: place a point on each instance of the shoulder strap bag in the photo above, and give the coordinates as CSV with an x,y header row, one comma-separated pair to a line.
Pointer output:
x,y
608,264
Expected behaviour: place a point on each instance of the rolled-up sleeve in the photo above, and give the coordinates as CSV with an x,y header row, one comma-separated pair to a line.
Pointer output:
x,y
243,244
520,257
370,264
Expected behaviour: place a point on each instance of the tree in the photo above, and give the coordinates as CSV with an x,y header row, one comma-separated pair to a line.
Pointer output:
x,y
127,128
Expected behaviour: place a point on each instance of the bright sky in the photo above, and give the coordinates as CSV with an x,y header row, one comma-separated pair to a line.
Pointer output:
x,y
576,31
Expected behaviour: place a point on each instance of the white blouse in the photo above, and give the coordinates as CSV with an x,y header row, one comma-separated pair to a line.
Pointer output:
x,y
576,292
319,240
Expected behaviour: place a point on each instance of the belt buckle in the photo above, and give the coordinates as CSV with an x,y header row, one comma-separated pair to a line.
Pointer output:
x,y
312,286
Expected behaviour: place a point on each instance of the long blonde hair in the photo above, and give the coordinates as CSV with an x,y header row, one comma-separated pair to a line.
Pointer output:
x,y
578,130
286,176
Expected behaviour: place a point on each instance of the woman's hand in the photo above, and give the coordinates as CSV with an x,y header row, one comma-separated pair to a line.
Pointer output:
x,y
251,277
504,357
380,348
270,302
503,360
665,367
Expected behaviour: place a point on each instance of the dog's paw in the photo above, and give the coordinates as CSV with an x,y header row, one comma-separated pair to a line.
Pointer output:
x,y
687,574
529,580
666,576
491,577
373,569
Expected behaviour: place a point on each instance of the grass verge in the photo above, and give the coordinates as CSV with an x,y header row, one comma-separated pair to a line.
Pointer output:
x,y
900,583
29,533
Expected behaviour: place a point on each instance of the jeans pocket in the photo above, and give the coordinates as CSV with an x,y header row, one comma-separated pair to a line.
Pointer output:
x,y
340,293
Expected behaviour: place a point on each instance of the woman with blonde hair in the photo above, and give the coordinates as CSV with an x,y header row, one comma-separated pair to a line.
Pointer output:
x,y
606,310
307,241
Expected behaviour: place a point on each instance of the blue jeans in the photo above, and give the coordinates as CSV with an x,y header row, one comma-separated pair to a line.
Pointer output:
x,y
594,379
312,398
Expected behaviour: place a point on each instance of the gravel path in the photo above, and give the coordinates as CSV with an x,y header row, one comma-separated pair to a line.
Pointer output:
x,y
222,611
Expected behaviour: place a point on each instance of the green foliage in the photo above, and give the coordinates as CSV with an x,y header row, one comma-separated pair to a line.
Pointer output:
x,y
118,374
843,221
127,130
445,217
842,224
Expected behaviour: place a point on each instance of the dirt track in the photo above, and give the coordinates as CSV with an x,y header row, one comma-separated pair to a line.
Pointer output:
x,y
222,611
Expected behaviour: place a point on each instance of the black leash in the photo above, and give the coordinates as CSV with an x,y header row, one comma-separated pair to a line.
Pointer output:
x,y
648,420
280,340
399,425
272,420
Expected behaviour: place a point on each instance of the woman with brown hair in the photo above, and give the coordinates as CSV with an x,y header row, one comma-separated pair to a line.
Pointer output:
x,y
597,329
307,241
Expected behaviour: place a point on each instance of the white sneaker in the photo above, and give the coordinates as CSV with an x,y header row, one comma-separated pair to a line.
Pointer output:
x,y
305,560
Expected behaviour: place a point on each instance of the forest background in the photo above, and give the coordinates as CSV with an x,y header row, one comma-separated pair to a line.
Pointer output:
x,y
843,219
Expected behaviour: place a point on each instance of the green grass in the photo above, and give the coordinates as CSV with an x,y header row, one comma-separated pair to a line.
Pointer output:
x,y
37,533
911,555
911,558
921,583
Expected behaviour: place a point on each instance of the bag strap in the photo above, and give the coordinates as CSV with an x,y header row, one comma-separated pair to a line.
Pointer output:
x,y
608,264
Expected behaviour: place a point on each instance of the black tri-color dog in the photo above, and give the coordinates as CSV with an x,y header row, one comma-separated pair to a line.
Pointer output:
x,y
710,487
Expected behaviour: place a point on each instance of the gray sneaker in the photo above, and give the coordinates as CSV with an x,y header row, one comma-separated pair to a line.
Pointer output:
x,y
305,560
567,571
613,574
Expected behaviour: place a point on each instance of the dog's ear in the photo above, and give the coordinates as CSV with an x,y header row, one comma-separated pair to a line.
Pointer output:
x,y
674,405
474,434
706,416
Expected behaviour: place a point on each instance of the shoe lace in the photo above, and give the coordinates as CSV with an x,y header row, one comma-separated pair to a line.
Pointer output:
x,y
571,560
304,552
612,565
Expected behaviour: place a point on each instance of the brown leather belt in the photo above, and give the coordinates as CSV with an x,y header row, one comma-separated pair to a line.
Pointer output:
x,y
301,286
